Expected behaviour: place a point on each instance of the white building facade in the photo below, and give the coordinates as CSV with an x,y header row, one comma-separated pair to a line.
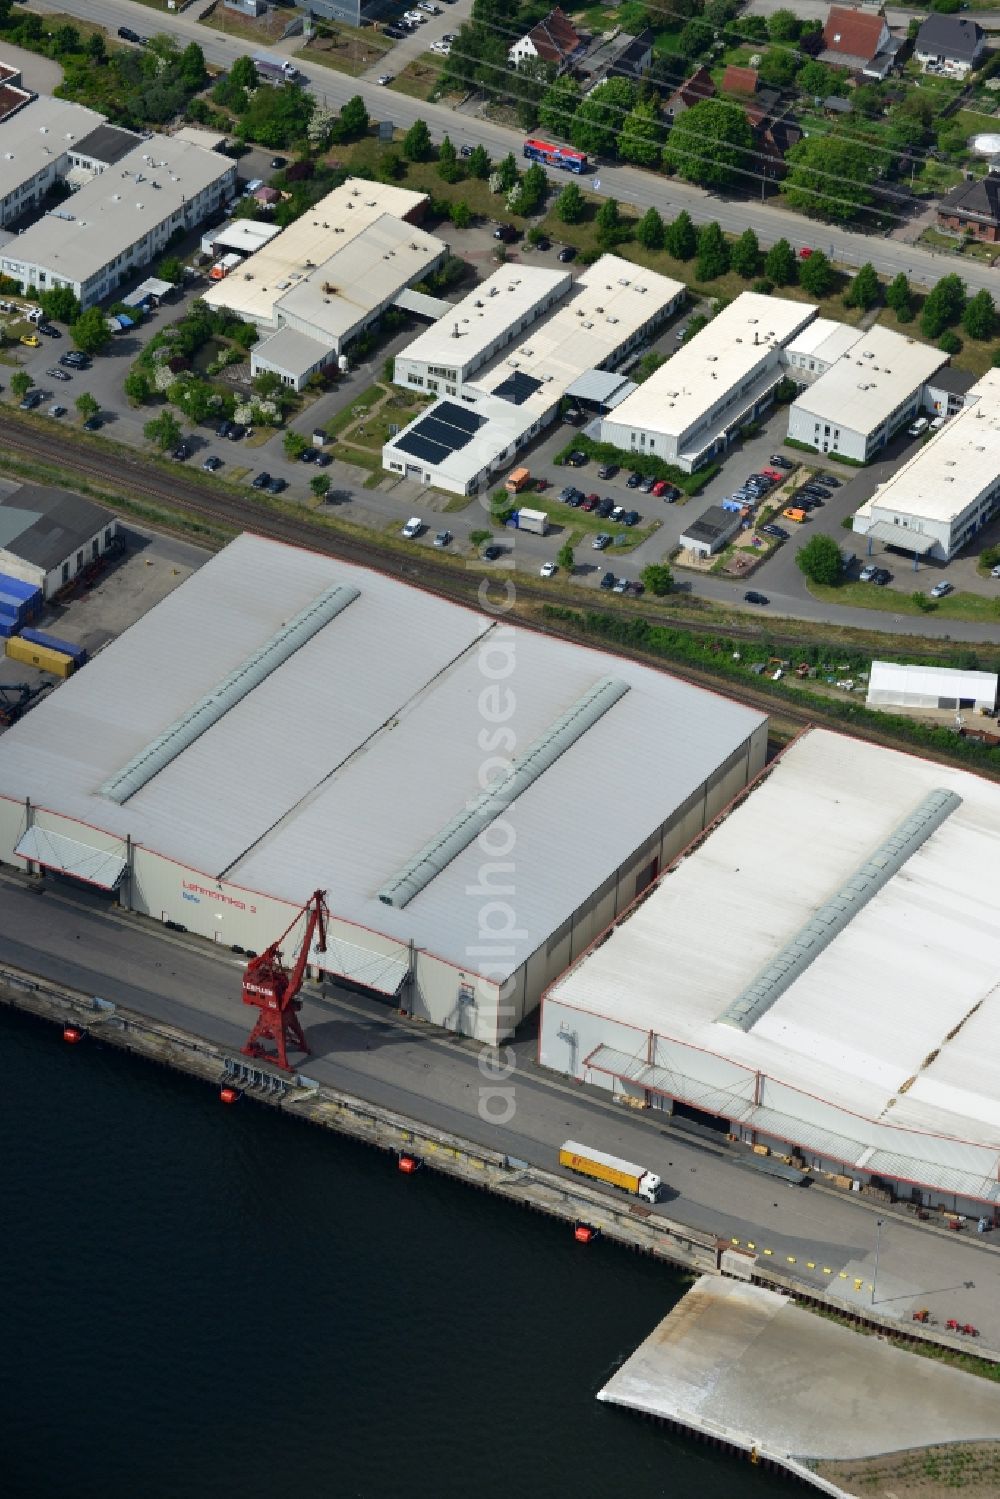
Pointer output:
x,y
894,684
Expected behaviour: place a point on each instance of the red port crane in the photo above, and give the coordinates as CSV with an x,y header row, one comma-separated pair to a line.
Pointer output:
x,y
269,985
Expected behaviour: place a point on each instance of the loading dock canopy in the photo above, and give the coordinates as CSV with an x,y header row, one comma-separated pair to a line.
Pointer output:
x,y
373,970
103,867
900,536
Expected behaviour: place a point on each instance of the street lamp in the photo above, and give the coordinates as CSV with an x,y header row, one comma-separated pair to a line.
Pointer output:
x,y
878,1239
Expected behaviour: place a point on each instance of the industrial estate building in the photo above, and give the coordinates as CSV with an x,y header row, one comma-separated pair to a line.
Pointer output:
x,y
37,142
122,216
818,347
875,387
818,975
938,501
179,768
47,536
893,684
329,275
459,445
693,407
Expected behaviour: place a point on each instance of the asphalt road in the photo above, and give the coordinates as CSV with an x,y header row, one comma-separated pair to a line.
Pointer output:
x,y
365,1048
642,189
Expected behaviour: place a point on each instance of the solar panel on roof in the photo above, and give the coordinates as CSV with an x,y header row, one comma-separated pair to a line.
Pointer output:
x,y
459,416
517,388
430,452
436,431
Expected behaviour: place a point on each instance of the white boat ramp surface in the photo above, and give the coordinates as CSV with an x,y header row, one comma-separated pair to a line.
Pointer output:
x,y
747,1367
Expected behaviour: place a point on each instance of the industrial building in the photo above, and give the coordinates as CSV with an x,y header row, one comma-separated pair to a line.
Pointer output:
x,y
865,396
331,274
693,407
818,976
893,684
238,236
37,142
613,307
285,722
47,536
711,531
818,347
443,357
122,217
948,491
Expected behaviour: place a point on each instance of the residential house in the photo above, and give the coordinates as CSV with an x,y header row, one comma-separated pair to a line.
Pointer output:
x,y
737,80
692,91
554,40
618,54
859,40
973,208
774,131
637,58
949,44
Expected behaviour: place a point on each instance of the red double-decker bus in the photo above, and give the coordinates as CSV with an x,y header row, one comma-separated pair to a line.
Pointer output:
x,y
555,156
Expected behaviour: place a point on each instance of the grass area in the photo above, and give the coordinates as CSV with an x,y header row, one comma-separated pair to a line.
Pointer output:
x,y
970,606
348,51
267,28
967,249
362,429
458,502
419,78
920,1473
587,523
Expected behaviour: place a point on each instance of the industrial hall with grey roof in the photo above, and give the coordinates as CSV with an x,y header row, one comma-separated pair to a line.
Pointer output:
x,y
439,786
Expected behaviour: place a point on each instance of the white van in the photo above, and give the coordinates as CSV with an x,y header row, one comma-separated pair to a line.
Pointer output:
x,y
920,425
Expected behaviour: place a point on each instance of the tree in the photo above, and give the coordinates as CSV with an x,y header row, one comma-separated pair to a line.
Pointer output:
x,y
816,274
899,297
865,290
479,163
90,332
171,268
820,560
679,238
532,189
558,106
319,484
598,119
980,316
293,443
448,168
943,306
243,73
778,67
20,383
641,138
783,26
353,119
507,172
570,204
710,144
565,557
137,386
649,231
658,579
87,406
164,431
745,255
830,177
779,264
191,66
417,142
867,101
96,50
950,342
460,214
816,79
713,253
60,305
609,226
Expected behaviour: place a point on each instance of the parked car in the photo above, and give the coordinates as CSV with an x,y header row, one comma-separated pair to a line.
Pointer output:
x,y
57,374
867,574
830,480
57,411
780,461
395,32
75,359
261,481
575,498
621,585
995,572
48,330
608,581
633,481
277,162
307,455
753,597
466,150
384,79
181,452
648,484
506,233
940,589
777,533
805,253
605,508
659,489
567,253
93,424
631,518
600,541
236,431
31,340
32,399
322,460
591,502
212,464
414,526
920,425
491,553
276,485
819,491
681,333
607,470
547,570
576,459
618,513
443,539
882,576
566,494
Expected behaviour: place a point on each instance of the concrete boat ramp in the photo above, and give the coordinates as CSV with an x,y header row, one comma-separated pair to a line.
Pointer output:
x,y
750,1370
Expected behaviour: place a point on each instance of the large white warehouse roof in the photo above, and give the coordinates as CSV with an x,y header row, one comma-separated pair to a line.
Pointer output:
x,y
871,380
894,1021
292,722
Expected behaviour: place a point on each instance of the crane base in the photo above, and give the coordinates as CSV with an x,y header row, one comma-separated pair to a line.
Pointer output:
x,y
284,1032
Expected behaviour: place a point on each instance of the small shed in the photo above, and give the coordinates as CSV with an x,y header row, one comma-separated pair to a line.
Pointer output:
x,y
711,531
893,684
49,535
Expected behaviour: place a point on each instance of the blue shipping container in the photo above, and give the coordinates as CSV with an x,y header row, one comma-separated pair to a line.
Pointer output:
x,y
18,588
7,629
77,653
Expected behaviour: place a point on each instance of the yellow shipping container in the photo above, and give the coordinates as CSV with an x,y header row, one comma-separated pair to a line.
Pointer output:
x,y
56,663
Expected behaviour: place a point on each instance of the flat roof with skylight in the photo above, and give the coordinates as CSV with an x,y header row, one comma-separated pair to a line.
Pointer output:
x,y
37,135
868,384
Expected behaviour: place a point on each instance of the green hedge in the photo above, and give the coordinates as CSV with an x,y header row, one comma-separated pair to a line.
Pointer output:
x,y
641,463
716,654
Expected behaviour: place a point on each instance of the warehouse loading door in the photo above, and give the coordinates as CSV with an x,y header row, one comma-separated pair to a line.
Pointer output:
x,y
73,858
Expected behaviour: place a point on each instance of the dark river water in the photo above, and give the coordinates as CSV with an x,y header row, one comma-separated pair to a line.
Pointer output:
x,y
200,1300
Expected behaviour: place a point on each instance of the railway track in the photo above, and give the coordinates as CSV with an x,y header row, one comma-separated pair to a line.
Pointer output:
x,y
121,469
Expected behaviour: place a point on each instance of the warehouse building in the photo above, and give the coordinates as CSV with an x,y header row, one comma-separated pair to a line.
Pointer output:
x,y
37,141
893,684
47,536
238,236
121,218
284,721
818,347
446,355
460,446
866,395
693,407
949,490
817,976
330,275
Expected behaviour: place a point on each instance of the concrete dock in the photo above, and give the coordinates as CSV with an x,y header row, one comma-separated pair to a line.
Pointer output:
x,y
746,1367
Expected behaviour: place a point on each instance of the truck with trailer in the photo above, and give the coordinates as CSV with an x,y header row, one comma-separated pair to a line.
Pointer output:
x,y
535,521
275,70
611,1169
